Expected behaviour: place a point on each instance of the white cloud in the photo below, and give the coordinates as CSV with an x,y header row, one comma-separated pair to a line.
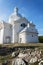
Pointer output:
x,y
23,9
3,17
41,29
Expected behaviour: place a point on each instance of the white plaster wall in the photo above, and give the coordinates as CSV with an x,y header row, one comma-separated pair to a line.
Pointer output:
x,y
32,29
7,32
23,37
1,36
31,39
14,34
16,29
27,38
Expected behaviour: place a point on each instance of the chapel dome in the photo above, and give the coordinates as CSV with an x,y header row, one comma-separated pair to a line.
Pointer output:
x,y
15,15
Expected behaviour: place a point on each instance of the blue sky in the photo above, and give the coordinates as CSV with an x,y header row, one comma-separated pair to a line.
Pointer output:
x,y
31,9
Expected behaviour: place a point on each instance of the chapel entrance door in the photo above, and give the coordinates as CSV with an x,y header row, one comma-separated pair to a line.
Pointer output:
x,y
8,40
20,40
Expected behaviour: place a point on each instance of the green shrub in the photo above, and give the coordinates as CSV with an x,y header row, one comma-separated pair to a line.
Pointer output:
x,y
41,39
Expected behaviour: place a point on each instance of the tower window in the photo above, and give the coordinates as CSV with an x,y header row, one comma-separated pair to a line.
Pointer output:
x,y
23,25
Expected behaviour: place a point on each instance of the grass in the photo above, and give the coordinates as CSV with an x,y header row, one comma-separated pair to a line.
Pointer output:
x,y
22,44
4,58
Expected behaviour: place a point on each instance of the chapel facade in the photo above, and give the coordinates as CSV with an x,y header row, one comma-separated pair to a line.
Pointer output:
x,y
18,30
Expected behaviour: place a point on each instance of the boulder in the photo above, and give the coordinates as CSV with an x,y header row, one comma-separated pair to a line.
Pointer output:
x,y
18,61
41,62
33,60
22,55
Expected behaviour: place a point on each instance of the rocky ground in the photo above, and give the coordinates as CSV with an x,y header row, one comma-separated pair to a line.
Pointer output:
x,y
26,57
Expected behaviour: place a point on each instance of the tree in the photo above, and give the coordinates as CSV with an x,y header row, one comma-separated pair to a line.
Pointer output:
x,y
40,39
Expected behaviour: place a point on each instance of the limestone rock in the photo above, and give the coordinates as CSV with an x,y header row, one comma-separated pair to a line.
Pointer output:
x,y
41,62
18,61
13,54
33,60
22,55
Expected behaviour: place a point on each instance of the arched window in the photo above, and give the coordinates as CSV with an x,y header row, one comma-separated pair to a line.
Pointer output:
x,y
23,25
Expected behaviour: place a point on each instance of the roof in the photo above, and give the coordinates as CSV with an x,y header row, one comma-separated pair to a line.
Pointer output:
x,y
28,29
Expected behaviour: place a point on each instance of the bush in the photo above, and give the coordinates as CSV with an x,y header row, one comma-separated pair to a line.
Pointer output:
x,y
41,39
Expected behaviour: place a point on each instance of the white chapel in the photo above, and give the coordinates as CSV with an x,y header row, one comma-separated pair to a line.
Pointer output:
x,y
18,30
